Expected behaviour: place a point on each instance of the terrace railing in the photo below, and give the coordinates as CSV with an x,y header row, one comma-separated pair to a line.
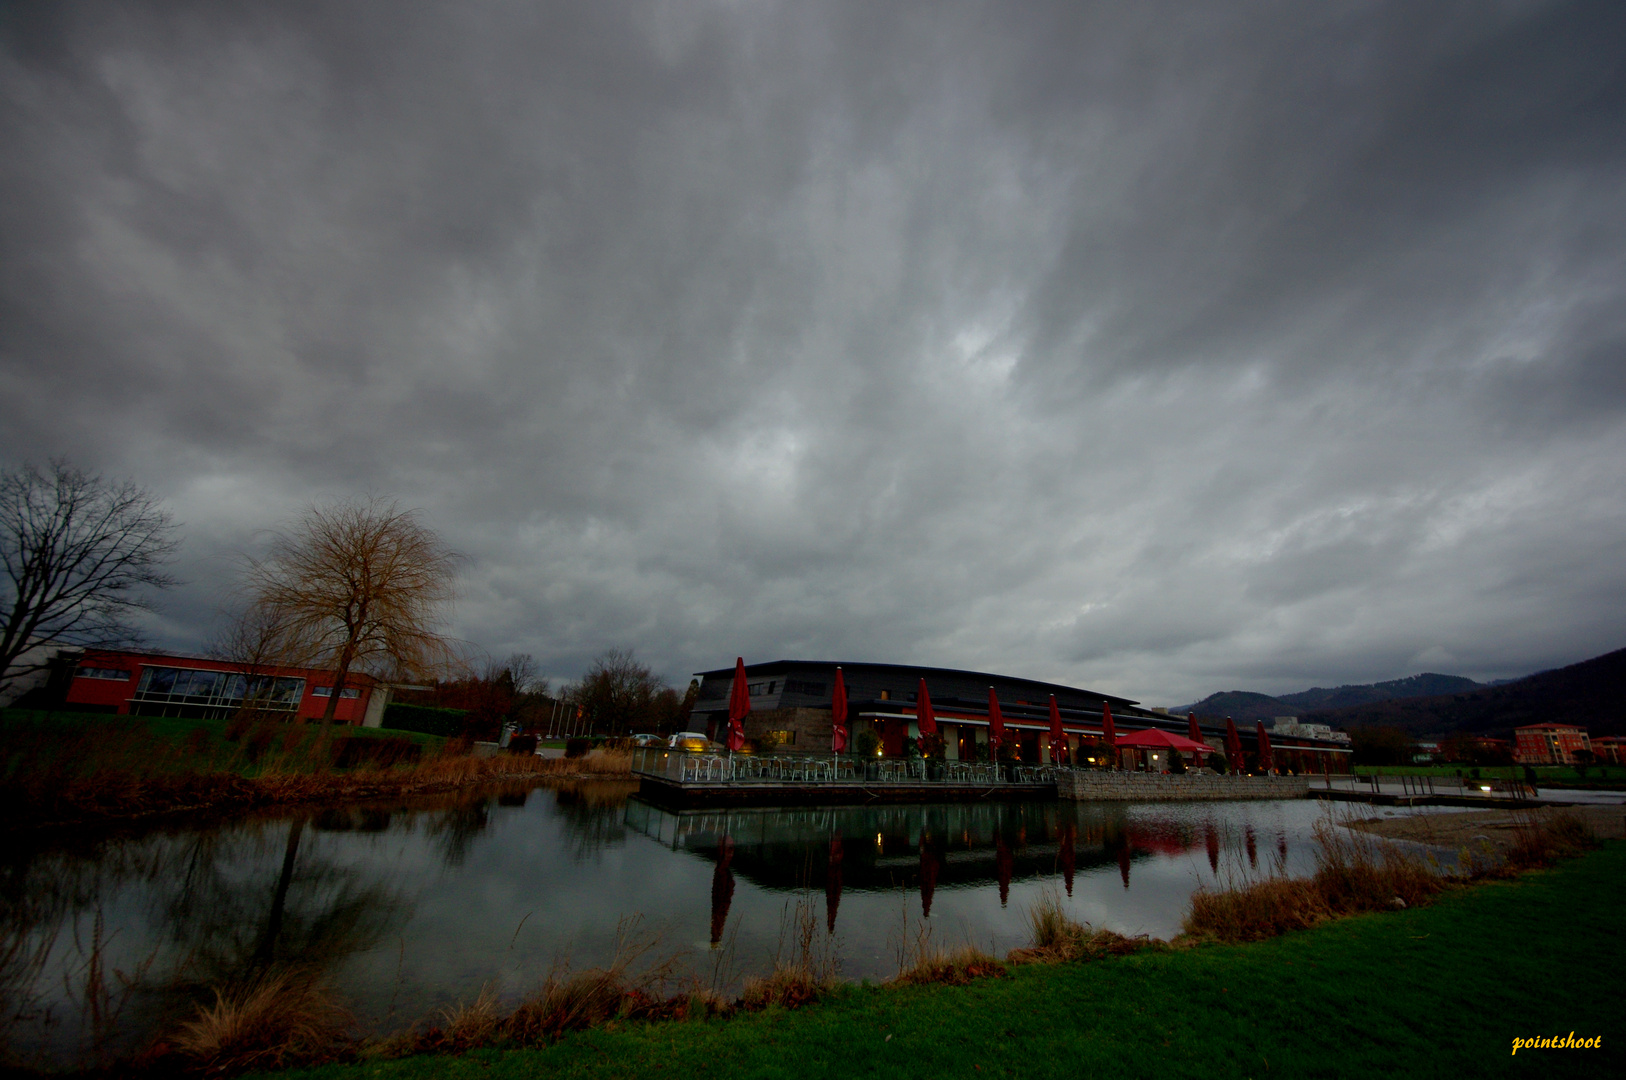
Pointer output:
x,y
702,767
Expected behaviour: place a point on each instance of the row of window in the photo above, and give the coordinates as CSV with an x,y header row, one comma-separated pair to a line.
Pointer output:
x,y
217,686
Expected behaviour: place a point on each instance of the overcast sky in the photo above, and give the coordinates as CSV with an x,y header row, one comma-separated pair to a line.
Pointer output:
x,y
1158,348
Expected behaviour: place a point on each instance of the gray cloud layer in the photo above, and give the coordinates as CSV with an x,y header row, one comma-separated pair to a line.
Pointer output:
x,y
1156,347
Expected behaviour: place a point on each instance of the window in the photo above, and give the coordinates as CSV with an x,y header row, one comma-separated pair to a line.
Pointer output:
x,y
759,689
345,695
102,673
803,686
220,689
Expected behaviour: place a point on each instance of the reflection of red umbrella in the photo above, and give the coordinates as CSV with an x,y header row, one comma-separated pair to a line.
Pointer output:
x,y
722,889
1158,739
928,875
1253,848
838,714
1058,741
1194,732
1123,861
1265,762
1002,860
1233,745
1109,735
739,707
832,883
1213,848
924,717
996,725
1069,858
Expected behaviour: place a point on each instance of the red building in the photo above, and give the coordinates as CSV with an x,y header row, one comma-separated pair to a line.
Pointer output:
x,y
1549,744
1610,749
164,684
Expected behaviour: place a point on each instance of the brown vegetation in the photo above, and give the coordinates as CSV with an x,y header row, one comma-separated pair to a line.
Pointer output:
x,y
285,1019
1354,873
1058,939
58,775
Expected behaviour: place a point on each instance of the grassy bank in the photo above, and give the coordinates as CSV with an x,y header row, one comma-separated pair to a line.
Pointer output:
x,y
1431,991
64,768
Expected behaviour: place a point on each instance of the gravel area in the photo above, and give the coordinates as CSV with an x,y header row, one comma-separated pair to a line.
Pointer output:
x,y
1493,827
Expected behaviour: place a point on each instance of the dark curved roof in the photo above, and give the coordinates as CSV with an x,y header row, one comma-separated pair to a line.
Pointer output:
x,y
776,667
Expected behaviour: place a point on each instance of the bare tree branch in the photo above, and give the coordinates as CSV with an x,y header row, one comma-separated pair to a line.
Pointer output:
x,y
364,584
77,555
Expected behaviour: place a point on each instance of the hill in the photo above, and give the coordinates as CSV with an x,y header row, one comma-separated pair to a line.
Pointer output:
x,y
1588,694
1428,684
1239,705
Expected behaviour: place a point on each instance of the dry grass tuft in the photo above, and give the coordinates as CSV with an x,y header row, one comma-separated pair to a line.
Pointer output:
x,y
804,964
1058,939
283,1020
1355,872
1539,842
951,967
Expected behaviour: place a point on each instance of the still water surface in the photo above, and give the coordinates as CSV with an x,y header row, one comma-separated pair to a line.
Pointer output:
x,y
413,907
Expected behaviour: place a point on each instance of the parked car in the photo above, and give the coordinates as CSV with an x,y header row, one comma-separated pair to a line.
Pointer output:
x,y
646,740
691,740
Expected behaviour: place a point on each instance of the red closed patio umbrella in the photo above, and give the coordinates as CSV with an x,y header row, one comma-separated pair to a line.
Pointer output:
x,y
925,719
838,714
1193,731
739,707
1265,761
1109,735
1058,739
996,725
1233,745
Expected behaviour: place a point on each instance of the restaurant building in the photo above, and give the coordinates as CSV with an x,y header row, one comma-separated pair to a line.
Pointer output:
x,y
172,684
791,701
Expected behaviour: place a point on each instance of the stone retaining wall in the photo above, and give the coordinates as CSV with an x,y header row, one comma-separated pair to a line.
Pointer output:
x,y
1161,787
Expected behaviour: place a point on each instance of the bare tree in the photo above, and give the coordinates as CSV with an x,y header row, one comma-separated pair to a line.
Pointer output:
x,y
364,583
79,555
259,642
618,692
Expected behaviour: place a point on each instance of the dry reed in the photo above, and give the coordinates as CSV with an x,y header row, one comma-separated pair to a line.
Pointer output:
x,y
805,967
284,1019
921,960
1057,939
1355,872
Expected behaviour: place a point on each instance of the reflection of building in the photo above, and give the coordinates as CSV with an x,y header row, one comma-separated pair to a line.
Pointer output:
x,y
162,684
1549,744
790,710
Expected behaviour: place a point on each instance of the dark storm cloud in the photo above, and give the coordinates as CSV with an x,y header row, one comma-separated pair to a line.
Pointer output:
x,y
1154,347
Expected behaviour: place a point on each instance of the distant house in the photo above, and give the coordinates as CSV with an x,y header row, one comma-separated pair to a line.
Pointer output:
x,y
1424,753
1549,744
169,684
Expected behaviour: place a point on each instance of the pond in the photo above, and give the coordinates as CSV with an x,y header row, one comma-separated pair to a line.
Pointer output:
x,y
413,907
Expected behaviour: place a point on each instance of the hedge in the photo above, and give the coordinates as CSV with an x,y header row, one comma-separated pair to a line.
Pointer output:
x,y
423,719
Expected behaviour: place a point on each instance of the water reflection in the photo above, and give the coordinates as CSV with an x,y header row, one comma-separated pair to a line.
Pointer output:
x,y
408,907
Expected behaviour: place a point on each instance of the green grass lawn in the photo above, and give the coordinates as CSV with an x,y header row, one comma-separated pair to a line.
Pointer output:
x,y
1431,992
144,744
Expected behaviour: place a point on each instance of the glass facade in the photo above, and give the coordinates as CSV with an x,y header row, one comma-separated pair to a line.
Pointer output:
x,y
167,691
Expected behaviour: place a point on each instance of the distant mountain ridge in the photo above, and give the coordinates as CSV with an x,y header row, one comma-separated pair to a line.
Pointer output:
x,y
1588,694
1245,705
1428,684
